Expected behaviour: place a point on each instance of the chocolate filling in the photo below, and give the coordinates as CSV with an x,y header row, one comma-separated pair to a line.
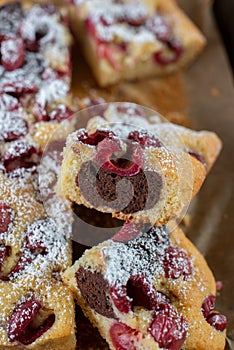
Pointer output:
x,y
126,194
95,291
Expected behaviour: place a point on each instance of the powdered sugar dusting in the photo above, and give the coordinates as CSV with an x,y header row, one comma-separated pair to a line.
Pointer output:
x,y
143,255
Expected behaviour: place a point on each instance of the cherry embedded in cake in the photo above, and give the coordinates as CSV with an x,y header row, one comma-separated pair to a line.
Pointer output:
x,y
135,168
131,40
124,288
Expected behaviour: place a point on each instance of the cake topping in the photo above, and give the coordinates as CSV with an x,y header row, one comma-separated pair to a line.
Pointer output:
x,y
12,126
145,139
176,263
128,232
168,328
20,154
124,337
26,325
198,156
142,256
18,88
8,103
214,318
218,321
208,305
10,17
12,53
5,217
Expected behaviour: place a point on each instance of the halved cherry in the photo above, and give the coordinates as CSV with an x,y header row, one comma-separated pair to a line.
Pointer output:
x,y
208,305
119,296
218,321
198,156
61,113
20,326
124,337
143,293
12,126
12,53
128,165
24,260
5,217
144,139
160,27
18,88
95,138
138,292
176,263
135,14
8,103
176,51
20,154
128,232
168,328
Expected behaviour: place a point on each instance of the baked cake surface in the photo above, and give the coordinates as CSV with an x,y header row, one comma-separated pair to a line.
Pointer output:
x,y
154,291
136,168
127,40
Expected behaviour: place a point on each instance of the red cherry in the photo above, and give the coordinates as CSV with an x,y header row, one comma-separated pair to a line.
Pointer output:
x,y
208,305
12,126
120,299
95,138
22,315
123,167
12,53
218,321
18,88
159,26
135,14
144,294
168,328
176,263
128,232
124,337
198,156
8,103
19,326
61,113
5,217
176,51
20,154
144,139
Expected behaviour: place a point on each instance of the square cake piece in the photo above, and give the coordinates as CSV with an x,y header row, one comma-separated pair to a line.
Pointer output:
x,y
154,291
128,40
134,168
35,248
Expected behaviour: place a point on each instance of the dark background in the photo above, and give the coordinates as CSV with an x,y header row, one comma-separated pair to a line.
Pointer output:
x,y
224,15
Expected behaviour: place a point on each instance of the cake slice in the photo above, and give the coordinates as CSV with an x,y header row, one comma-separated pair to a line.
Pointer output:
x,y
35,62
136,168
35,248
127,40
153,291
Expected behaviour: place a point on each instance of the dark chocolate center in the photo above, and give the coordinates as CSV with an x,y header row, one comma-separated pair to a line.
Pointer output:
x,y
121,193
95,291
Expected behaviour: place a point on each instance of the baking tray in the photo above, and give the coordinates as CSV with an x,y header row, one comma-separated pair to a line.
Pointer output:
x,y
202,98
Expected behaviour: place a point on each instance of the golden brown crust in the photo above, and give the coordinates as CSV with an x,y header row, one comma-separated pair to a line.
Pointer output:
x,y
187,296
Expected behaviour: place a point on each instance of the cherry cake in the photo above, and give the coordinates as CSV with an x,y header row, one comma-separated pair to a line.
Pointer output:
x,y
127,40
137,169
148,289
